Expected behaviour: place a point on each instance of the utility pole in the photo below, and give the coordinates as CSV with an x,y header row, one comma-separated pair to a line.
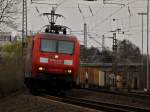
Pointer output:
x,y
24,29
85,53
148,45
114,57
103,43
142,14
24,21
85,41
114,46
85,35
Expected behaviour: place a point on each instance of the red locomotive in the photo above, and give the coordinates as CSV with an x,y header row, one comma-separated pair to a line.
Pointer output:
x,y
55,59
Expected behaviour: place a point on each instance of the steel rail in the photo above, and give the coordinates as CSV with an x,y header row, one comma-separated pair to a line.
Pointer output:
x,y
97,105
103,106
130,94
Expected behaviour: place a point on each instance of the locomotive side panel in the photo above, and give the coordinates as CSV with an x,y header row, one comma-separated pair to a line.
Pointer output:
x,y
77,59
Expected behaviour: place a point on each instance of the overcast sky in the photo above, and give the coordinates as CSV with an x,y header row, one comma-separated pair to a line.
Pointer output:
x,y
98,16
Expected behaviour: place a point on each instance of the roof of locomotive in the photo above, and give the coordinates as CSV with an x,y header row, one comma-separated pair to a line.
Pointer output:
x,y
56,36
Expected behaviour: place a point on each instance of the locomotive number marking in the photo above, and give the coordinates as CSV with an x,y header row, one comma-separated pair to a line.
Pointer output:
x,y
56,61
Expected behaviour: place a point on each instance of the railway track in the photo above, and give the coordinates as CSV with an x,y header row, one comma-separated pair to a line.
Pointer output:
x,y
102,106
132,94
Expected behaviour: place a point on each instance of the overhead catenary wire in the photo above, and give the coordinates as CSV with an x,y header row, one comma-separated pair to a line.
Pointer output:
x,y
91,11
105,19
93,8
101,7
130,14
54,5
125,18
112,2
62,2
42,3
82,7
37,10
127,28
115,12
81,12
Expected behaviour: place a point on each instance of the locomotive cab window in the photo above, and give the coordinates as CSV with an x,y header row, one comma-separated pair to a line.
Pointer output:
x,y
48,45
60,46
65,47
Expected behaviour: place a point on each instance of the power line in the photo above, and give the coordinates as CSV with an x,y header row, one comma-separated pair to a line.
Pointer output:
x,y
96,25
42,3
37,10
55,5
126,28
81,12
91,11
60,3
101,7
119,9
116,11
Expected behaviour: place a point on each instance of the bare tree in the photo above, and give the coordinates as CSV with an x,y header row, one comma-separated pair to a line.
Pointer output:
x,y
8,13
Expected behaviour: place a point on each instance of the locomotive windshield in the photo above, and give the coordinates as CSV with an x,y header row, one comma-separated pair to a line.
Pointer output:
x,y
65,47
48,45
60,46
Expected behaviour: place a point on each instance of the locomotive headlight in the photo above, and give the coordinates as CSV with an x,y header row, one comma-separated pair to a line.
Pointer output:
x,y
41,68
56,56
68,71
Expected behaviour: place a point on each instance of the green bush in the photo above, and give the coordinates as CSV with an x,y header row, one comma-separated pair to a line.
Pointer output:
x,y
11,68
12,53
